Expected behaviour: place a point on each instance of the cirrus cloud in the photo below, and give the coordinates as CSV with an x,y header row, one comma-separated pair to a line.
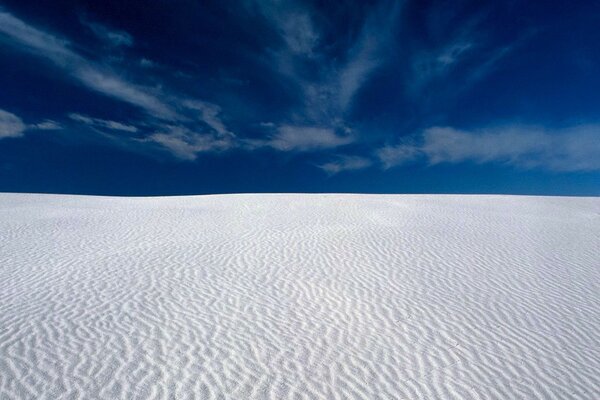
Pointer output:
x,y
13,126
575,148
304,138
10,125
103,123
345,163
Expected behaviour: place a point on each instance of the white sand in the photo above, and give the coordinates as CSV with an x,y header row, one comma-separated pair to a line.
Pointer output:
x,y
299,297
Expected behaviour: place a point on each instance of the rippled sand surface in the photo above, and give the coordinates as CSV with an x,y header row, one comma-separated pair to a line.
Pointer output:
x,y
299,297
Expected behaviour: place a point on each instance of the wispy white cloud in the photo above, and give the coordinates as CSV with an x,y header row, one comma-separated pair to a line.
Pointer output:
x,y
10,125
332,96
571,149
95,77
432,64
146,63
492,61
291,21
210,114
307,138
112,37
329,93
466,50
370,51
345,163
103,123
187,144
391,156
178,113
299,33
13,126
47,125
112,85
353,75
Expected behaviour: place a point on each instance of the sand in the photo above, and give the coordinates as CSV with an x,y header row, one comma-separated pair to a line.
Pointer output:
x,y
299,297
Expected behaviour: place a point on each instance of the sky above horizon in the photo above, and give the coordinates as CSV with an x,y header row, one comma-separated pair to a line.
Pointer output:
x,y
192,97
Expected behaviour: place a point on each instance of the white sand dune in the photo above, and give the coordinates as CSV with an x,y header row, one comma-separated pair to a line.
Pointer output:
x,y
299,297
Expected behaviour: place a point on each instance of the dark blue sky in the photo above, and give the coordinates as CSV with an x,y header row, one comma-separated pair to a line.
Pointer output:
x,y
184,97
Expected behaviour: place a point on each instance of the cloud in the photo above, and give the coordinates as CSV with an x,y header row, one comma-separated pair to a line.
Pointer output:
x,y
354,74
491,61
328,84
332,96
209,113
100,79
179,113
292,22
103,123
146,63
391,156
429,65
187,144
10,125
13,126
109,84
306,138
299,33
47,125
572,149
461,55
368,53
345,163
112,37
176,119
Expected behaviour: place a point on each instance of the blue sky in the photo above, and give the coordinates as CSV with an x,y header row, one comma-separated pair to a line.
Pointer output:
x,y
186,97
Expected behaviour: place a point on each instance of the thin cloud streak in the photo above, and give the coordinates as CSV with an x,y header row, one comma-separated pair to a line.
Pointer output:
x,y
11,126
103,123
572,149
112,37
186,144
345,163
430,65
210,115
47,125
391,156
327,96
184,141
56,50
368,53
322,75
326,101
307,138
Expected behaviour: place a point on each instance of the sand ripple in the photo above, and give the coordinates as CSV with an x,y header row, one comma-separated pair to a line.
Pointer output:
x,y
299,297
